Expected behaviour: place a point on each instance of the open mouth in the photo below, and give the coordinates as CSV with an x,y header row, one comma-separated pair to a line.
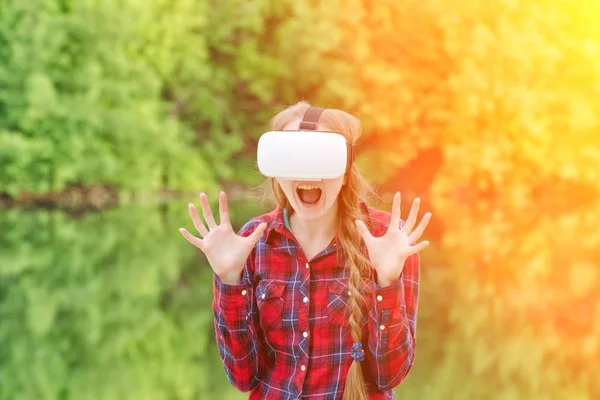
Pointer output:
x,y
309,194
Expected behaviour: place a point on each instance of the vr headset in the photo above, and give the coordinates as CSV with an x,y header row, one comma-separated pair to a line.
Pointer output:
x,y
305,154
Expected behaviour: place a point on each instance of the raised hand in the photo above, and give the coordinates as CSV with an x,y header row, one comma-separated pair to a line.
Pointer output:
x,y
389,252
225,250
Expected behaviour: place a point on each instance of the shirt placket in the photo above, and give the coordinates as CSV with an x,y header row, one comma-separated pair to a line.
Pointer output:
x,y
303,269
303,317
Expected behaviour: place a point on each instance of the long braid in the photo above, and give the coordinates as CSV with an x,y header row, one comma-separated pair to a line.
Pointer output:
x,y
358,268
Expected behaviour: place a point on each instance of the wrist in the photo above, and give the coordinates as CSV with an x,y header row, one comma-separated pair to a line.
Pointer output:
x,y
231,279
383,281
386,280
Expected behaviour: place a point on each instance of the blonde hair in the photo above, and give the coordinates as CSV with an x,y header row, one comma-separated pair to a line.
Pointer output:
x,y
356,188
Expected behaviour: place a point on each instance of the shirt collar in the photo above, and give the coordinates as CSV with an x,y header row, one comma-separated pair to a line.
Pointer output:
x,y
277,224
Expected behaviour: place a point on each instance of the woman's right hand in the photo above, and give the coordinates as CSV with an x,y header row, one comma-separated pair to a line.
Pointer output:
x,y
225,250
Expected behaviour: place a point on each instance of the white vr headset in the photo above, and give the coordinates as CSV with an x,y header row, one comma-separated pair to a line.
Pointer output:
x,y
305,154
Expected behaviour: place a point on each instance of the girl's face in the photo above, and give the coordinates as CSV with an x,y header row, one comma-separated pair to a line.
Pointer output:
x,y
311,200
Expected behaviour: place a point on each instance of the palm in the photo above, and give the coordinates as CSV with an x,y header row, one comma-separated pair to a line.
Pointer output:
x,y
389,252
225,250
224,247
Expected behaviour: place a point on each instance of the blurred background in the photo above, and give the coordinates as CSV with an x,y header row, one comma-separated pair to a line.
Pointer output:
x,y
115,114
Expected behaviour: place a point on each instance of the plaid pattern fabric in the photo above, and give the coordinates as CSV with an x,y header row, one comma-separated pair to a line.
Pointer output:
x,y
283,331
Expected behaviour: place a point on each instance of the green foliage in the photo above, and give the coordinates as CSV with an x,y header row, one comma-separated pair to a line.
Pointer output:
x,y
153,94
82,98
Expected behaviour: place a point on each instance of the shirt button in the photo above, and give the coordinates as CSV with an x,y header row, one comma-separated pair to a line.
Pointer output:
x,y
305,334
306,265
244,292
379,298
303,367
305,299
382,327
263,295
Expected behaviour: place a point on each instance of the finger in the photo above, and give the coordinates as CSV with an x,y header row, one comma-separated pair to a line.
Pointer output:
x,y
207,212
223,208
199,243
412,217
363,230
418,247
198,224
396,204
258,232
413,237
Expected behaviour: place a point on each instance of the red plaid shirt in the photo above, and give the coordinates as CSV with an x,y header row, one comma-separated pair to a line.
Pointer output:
x,y
283,333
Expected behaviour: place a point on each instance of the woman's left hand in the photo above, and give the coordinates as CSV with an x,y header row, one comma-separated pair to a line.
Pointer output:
x,y
389,252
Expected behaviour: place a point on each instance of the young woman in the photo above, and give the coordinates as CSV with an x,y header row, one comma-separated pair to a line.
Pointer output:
x,y
316,299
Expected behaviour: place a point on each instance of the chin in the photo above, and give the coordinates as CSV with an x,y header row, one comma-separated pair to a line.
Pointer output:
x,y
311,213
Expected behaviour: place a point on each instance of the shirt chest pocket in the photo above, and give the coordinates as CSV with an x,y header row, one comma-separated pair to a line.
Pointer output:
x,y
337,302
270,302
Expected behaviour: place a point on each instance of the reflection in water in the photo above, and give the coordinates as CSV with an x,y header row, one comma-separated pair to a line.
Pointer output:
x,y
116,305
110,305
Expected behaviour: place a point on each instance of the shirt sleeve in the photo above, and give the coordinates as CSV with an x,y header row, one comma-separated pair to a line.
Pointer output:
x,y
240,341
392,327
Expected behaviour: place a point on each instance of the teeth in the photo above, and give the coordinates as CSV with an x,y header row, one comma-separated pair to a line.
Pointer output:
x,y
306,186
